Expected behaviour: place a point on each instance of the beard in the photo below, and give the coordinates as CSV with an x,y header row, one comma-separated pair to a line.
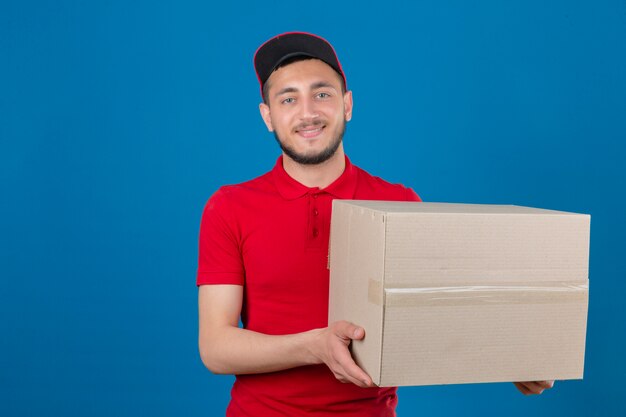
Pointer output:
x,y
317,158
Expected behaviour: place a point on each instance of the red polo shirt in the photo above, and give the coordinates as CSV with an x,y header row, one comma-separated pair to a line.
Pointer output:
x,y
271,235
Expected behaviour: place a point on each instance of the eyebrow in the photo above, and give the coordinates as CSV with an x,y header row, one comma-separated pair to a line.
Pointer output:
x,y
321,84
286,90
314,86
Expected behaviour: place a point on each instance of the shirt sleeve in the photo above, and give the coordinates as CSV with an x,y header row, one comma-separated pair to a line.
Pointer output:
x,y
412,195
219,258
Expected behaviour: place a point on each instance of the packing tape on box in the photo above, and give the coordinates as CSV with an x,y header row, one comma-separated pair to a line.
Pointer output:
x,y
540,293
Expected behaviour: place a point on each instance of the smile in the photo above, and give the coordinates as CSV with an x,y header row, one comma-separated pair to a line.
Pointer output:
x,y
311,132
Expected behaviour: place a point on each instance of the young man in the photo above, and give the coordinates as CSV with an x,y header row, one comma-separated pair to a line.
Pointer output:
x,y
264,247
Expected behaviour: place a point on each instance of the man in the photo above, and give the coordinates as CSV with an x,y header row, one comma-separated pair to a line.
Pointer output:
x,y
264,247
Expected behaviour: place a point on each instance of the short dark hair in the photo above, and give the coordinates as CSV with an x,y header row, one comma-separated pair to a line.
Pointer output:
x,y
266,86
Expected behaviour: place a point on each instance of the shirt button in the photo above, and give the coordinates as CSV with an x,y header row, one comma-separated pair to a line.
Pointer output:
x,y
314,195
315,232
315,212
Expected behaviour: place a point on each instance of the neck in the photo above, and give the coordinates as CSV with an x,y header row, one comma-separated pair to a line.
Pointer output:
x,y
320,175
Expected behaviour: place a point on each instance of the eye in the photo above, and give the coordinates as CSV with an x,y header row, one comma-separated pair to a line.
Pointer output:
x,y
323,95
288,100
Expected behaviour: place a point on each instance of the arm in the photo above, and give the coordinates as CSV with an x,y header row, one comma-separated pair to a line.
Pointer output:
x,y
227,349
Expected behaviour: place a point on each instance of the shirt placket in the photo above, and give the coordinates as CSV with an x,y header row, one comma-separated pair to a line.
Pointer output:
x,y
314,224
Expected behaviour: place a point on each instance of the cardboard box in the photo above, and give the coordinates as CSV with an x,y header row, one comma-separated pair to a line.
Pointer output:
x,y
461,293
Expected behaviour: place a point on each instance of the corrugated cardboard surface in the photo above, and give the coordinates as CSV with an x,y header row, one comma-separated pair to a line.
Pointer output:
x,y
361,256
456,293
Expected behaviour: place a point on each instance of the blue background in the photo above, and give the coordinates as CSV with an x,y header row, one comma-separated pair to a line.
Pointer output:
x,y
119,119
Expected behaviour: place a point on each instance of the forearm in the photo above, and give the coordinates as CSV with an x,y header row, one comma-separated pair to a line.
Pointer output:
x,y
228,349
233,350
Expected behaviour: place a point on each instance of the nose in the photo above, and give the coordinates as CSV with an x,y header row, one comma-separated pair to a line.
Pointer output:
x,y
308,109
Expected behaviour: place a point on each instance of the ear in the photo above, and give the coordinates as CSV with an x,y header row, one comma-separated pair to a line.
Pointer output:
x,y
347,105
265,114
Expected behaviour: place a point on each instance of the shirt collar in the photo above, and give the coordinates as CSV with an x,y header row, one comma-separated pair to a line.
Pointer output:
x,y
290,189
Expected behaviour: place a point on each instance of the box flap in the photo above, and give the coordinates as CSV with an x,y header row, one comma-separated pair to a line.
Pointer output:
x,y
438,245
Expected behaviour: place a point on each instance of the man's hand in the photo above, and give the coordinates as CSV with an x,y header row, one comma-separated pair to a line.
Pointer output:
x,y
227,349
534,387
331,348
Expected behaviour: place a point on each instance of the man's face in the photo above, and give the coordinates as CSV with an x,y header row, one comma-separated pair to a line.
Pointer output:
x,y
307,110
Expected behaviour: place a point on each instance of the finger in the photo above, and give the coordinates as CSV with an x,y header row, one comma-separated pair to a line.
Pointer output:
x,y
540,386
545,384
364,382
359,333
355,381
534,387
344,378
522,388
351,370
347,330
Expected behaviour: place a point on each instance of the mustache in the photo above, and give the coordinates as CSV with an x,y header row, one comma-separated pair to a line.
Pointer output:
x,y
312,124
